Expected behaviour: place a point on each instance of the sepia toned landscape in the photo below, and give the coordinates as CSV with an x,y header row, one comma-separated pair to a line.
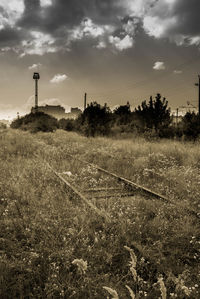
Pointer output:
x,y
53,245
99,149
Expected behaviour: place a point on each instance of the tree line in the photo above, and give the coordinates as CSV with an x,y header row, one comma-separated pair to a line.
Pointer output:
x,y
150,119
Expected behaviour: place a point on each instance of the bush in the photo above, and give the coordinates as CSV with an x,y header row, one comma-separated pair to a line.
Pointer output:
x,y
191,125
35,122
67,124
95,120
2,125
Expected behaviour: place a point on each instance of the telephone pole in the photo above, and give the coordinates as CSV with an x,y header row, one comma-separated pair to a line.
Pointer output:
x,y
198,84
85,101
177,117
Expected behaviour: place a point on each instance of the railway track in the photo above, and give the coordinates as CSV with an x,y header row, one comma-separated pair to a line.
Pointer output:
x,y
108,186
123,189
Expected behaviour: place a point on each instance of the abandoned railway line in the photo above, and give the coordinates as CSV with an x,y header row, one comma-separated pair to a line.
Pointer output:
x,y
93,185
123,189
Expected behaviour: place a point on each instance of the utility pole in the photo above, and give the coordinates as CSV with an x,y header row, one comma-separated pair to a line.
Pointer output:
x,y
198,84
36,77
85,101
177,117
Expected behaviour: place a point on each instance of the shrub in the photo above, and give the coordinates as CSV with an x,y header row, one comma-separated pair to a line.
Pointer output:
x,y
2,125
35,122
191,125
67,124
95,120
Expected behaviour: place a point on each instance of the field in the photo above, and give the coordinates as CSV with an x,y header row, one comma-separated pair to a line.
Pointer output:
x,y
52,245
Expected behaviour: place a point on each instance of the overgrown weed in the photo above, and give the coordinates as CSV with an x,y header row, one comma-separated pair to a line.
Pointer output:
x,y
46,232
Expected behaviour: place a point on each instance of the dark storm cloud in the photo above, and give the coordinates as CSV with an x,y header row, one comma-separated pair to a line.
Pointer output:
x,y
3,12
10,37
31,18
187,13
49,19
69,13
64,20
178,20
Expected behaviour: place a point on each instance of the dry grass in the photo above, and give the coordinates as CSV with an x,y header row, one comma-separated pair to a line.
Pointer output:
x,y
53,246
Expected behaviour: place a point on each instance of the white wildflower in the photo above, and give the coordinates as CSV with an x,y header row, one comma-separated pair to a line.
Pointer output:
x,y
186,290
162,287
134,273
81,264
112,292
131,292
67,173
132,255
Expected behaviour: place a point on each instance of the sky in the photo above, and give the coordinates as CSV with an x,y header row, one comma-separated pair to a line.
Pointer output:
x,y
115,50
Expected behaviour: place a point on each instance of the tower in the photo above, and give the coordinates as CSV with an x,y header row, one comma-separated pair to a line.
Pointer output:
x,y
36,77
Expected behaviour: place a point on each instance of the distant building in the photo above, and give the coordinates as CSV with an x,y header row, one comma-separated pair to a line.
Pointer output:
x,y
4,122
58,111
177,116
75,112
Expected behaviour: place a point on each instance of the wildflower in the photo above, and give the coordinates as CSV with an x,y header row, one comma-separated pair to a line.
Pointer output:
x,y
162,287
34,254
186,290
81,264
67,173
112,292
133,262
132,255
131,292
142,260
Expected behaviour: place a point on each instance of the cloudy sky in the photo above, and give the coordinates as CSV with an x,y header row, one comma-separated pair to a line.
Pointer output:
x,y
115,50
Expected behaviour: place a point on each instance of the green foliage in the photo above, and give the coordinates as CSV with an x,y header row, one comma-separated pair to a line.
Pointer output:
x,y
35,122
95,120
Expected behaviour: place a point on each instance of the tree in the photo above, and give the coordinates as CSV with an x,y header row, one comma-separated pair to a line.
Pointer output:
x,y
122,114
67,124
155,114
191,125
95,120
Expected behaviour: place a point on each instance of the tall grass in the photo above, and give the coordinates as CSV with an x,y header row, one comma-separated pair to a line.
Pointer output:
x,y
53,246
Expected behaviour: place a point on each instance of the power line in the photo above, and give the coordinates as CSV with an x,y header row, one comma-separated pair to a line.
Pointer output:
x,y
198,84
140,83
